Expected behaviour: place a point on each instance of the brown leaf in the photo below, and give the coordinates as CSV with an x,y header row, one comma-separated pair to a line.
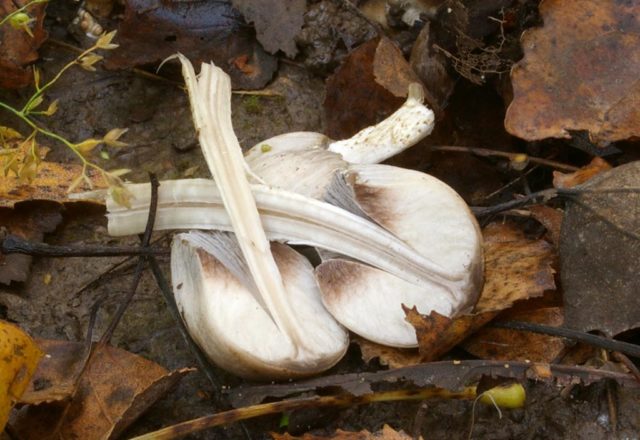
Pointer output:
x,y
387,433
569,180
516,268
579,72
369,86
388,356
113,391
505,344
17,48
29,220
600,253
51,183
202,31
276,23
438,334
550,218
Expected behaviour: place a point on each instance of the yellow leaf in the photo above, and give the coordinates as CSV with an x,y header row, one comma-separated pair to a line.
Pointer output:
x,y
86,146
104,42
87,61
19,356
9,134
53,107
112,137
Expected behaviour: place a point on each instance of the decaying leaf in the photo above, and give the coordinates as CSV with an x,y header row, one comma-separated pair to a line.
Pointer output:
x,y
371,83
579,72
386,433
19,356
114,390
276,23
438,334
52,183
18,49
497,343
569,180
600,253
29,220
550,218
203,31
391,357
516,268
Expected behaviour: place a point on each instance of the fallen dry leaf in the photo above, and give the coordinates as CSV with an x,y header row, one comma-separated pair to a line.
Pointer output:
x,y
370,85
276,23
550,218
516,267
569,180
18,49
389,356
505,344
19,356
113,391
579,72
438,334
51,183
386,433
29,220
600,253
202,31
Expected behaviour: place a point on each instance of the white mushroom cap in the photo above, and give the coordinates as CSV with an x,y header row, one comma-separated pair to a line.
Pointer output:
x,y
226,318
430,217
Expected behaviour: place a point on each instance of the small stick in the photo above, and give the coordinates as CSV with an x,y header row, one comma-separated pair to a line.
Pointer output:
x,y
485,152
146,237
13,244
587,338
234,415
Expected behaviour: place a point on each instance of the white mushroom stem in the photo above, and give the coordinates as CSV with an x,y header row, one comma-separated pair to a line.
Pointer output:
x,y
405,127
286,216
210,97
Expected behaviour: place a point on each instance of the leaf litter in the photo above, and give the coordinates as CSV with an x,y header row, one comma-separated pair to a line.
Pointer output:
x,y
527,263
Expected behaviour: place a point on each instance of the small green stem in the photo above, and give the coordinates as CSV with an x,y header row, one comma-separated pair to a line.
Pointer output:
x,y
22,9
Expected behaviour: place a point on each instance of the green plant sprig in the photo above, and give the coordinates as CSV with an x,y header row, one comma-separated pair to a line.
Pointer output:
x,y
86,60
20,10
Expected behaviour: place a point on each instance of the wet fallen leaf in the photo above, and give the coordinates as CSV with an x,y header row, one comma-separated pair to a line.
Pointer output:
x,y
386,433
389,356
276,23
113,391
497,343
550,218
203,31
29,220
431,67
19,356
579,72
51,183
18,49
569,180
370,85
438,334
516,267
600,253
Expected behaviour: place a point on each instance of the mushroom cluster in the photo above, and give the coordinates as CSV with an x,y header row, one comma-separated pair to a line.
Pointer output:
x,y
385,236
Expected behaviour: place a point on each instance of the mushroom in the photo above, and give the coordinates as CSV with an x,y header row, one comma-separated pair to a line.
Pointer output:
x,y
395,237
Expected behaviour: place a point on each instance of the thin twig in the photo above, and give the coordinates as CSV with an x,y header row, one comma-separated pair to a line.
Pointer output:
x,y
587,338
480,211
13,244
223,418
485,152
146,238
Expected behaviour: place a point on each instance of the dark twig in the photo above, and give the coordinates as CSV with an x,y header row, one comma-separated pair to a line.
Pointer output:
x,y
13,244
485,152
587,338
146,238
481,211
